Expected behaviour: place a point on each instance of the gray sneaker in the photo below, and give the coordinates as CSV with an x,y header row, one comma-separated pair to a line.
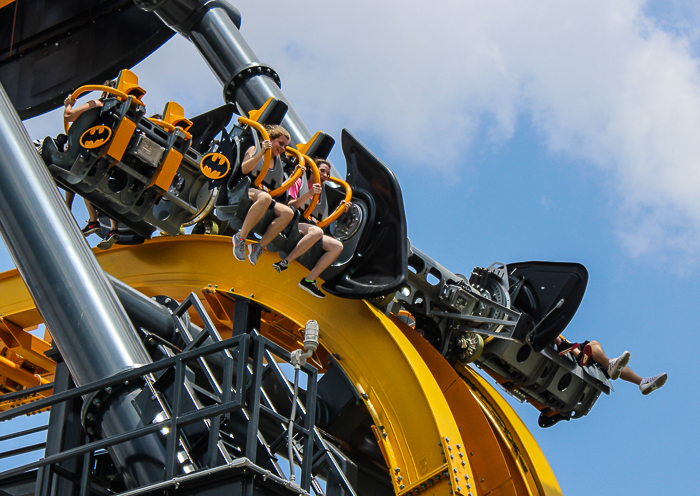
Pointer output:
x,y
616,365
254,251
650,384
238,247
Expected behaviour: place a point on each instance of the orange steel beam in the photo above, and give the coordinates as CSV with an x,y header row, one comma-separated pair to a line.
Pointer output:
x,y
26,345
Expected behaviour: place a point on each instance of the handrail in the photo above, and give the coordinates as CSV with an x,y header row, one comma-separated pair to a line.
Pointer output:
x,y
105,89
292,179
268,153
317,180
170,127
342,208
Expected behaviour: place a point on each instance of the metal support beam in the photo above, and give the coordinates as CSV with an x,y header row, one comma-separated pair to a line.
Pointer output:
x,y
213,28
246,316
64,430
75,299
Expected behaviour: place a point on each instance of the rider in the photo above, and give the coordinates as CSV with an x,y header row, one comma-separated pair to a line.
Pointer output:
x,y
331,246
262,201
71,114
616,367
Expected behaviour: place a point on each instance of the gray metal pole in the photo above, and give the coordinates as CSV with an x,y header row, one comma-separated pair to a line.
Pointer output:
x,y
227,53
78,304
75,299
155,318
211,26
144,312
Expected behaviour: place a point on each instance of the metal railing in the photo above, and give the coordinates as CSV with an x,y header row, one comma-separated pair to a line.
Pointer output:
x,y
244,366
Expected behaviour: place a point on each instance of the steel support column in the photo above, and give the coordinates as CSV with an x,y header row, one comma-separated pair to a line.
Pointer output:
x,y
212,25
75,299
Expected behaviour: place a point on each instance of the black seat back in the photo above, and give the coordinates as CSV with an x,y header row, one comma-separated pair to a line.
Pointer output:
x,y
378,266
206,126
544,285
50,152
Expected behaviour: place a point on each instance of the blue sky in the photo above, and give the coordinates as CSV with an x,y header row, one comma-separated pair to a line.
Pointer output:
x,y
561,131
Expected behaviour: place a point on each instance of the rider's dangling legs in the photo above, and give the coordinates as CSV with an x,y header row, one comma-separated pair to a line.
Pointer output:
x,y
262,201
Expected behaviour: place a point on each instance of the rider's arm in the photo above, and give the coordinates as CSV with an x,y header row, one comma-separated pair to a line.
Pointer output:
x,y
71,113
251,157
293,190
299,202
302,199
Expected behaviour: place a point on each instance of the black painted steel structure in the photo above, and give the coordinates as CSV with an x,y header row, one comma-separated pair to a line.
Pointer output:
x,y
243,411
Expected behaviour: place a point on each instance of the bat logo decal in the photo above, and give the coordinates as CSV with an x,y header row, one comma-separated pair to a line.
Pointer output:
x,y
95,137
214,166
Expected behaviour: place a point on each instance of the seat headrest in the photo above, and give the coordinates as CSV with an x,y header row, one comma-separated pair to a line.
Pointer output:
x,y
128,82
319,146
174,114
271,113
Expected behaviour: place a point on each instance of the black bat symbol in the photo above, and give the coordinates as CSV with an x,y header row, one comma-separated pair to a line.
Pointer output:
x,y
215,166
95,137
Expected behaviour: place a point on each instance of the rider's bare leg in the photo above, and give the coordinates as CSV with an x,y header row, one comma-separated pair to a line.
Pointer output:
x,y
630,376
600,357
283,216
261,201
92,212
69,199
598,354
332,248
311,235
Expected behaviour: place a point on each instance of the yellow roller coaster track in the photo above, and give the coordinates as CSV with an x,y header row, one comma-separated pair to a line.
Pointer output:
x,y
442,430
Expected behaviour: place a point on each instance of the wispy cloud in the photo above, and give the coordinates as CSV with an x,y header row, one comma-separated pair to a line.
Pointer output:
x,y
603,82
545,202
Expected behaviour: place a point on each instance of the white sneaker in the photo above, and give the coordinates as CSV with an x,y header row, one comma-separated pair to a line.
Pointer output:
x,y
616,365
650,384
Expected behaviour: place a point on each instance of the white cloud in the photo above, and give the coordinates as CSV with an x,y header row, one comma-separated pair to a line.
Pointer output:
x,y
603,84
